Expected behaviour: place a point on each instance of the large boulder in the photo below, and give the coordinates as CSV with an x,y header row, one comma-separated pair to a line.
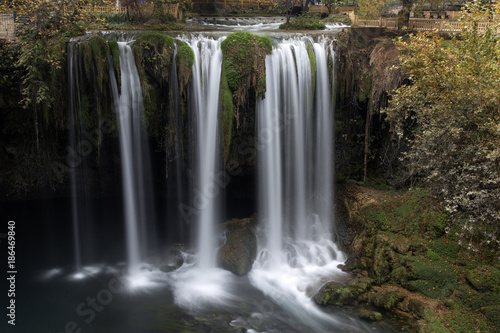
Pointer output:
x,y
238,254
339,294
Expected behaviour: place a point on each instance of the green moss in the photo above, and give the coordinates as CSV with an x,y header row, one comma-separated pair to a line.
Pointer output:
x,y
184,60
96,99
227,114
436,280
485,278
87,60
100,55
154,56
312,62
492,313
343,20
472,299
433,255
446,248
460,322
244,65
115,54
303,23
410,215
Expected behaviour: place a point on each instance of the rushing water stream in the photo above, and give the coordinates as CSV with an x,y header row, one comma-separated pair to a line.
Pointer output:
x,y
133,291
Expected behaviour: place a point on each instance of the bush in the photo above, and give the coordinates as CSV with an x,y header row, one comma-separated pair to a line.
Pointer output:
x,y
304,22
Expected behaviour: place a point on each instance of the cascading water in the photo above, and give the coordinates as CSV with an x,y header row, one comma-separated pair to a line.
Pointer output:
x,y
323,161
205,98
268,123
290,270
296,254
73,100
199,283
129,112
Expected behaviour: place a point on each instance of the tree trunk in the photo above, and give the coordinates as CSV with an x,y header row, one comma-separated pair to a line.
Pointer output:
x,y
404,14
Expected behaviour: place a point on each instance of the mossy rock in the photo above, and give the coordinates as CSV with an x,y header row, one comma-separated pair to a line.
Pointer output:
x,y
485,278
417,307
474,300
115,55
339,294
184,60
370,315
436,280
227,114
96,53
492,313
312,62
153,56
360,284
387,297
244,56
303,23
335,293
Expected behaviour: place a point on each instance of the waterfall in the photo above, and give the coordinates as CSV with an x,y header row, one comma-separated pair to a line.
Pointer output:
x,y
290,116
205,99
73,106
270,183
295,134
323,159
134,157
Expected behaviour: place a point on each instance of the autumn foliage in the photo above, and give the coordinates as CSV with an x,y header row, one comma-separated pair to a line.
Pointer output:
x,y
450,116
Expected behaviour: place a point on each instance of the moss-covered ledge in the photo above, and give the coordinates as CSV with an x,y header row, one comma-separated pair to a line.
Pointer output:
x,y
244,77
405,264
153,56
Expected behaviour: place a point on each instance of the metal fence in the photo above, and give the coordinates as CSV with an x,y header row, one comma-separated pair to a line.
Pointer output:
x,y
417,24
7,27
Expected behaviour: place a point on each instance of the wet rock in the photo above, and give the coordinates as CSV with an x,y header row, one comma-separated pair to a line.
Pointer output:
x,y
339,294
240,250
370,315
387,297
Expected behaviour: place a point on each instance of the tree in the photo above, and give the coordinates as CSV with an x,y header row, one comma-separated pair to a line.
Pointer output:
x,y
450,115
332,5
43,29
370,8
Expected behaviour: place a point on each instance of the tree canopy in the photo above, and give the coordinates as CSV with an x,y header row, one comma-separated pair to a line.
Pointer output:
x,y
450,115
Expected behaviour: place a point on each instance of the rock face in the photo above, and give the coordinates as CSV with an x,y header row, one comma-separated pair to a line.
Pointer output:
x,y
240,250
406,267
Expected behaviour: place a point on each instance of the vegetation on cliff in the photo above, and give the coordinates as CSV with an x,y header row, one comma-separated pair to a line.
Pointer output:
x,y
449,118
153,56
303,22
406,264
243,68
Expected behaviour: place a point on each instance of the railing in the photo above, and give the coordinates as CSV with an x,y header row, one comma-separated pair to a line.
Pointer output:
x,y
105,9
418,24
7,27
172,8
318,9
258,3
7,20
